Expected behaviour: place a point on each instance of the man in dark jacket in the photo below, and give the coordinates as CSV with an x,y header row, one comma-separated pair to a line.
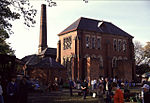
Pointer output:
x,y
84,88
71,85
107,90
11,91
23,91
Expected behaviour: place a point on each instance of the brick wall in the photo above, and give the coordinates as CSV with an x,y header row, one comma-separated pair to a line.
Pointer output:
x,y
106,51
45,75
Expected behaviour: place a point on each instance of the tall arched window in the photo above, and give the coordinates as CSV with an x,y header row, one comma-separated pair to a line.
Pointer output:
x,y
119,58
64,61
86,56
119,45
87,39
124,45
100,61
114,62
115,44
93,56
125,58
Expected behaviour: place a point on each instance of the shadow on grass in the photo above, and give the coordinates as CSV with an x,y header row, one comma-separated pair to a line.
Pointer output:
x,y
61,99
75,99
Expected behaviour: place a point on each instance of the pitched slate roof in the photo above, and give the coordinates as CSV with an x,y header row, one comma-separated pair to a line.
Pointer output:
x,y
31,59
95,26
37,62
48,62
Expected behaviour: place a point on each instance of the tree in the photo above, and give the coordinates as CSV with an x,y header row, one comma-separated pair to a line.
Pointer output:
x,y
4,47
139,53
147,52
142,57
141,69
12,10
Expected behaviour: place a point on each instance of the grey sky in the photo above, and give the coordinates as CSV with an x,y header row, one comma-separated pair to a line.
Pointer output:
x,y
131,16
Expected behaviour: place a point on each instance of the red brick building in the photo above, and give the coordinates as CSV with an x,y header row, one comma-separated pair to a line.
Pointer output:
x,y
91,48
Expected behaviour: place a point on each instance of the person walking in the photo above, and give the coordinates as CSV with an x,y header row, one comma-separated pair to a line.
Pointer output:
x,y
71,85
23,91
107,90
11,91
118,96
1,92
84,88
100,91
146,93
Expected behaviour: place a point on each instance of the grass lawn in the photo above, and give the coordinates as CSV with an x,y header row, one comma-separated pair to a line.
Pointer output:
x,y
63,97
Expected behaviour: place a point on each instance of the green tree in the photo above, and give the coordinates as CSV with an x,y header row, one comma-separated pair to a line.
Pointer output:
x,y
4,47
14,9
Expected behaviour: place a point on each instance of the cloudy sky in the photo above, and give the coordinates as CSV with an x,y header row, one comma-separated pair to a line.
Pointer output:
x,y
131,16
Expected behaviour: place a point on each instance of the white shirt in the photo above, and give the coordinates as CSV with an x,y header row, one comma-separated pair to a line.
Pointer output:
x,y
106,85
92,82
1,91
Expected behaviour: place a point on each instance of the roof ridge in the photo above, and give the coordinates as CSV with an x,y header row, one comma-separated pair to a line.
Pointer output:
x,y
84,23
95,19
121,29
77,21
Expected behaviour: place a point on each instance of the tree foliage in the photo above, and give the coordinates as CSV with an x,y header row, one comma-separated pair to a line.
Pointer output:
x,y
139,52
11,10
4,47
141,69
142,57
147,50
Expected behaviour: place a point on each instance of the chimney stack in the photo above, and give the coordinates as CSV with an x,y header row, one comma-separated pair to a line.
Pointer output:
x,y
43,30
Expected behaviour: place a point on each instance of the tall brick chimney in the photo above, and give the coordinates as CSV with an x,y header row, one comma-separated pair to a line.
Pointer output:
x,y
43,30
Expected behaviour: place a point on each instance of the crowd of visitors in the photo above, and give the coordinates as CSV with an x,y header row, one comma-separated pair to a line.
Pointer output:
x,y
111,90
108,90
16,90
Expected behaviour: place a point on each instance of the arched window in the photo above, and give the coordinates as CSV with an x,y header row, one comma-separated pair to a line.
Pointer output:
x,y
115,44
86,56
119,45
64,61
125,58
87,39
93,42
114,62
119,58
93,56
100,61
98,42
124,45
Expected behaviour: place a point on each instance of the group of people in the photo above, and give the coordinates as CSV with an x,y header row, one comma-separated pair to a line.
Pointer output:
x,y
15,91
110,90
55,85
